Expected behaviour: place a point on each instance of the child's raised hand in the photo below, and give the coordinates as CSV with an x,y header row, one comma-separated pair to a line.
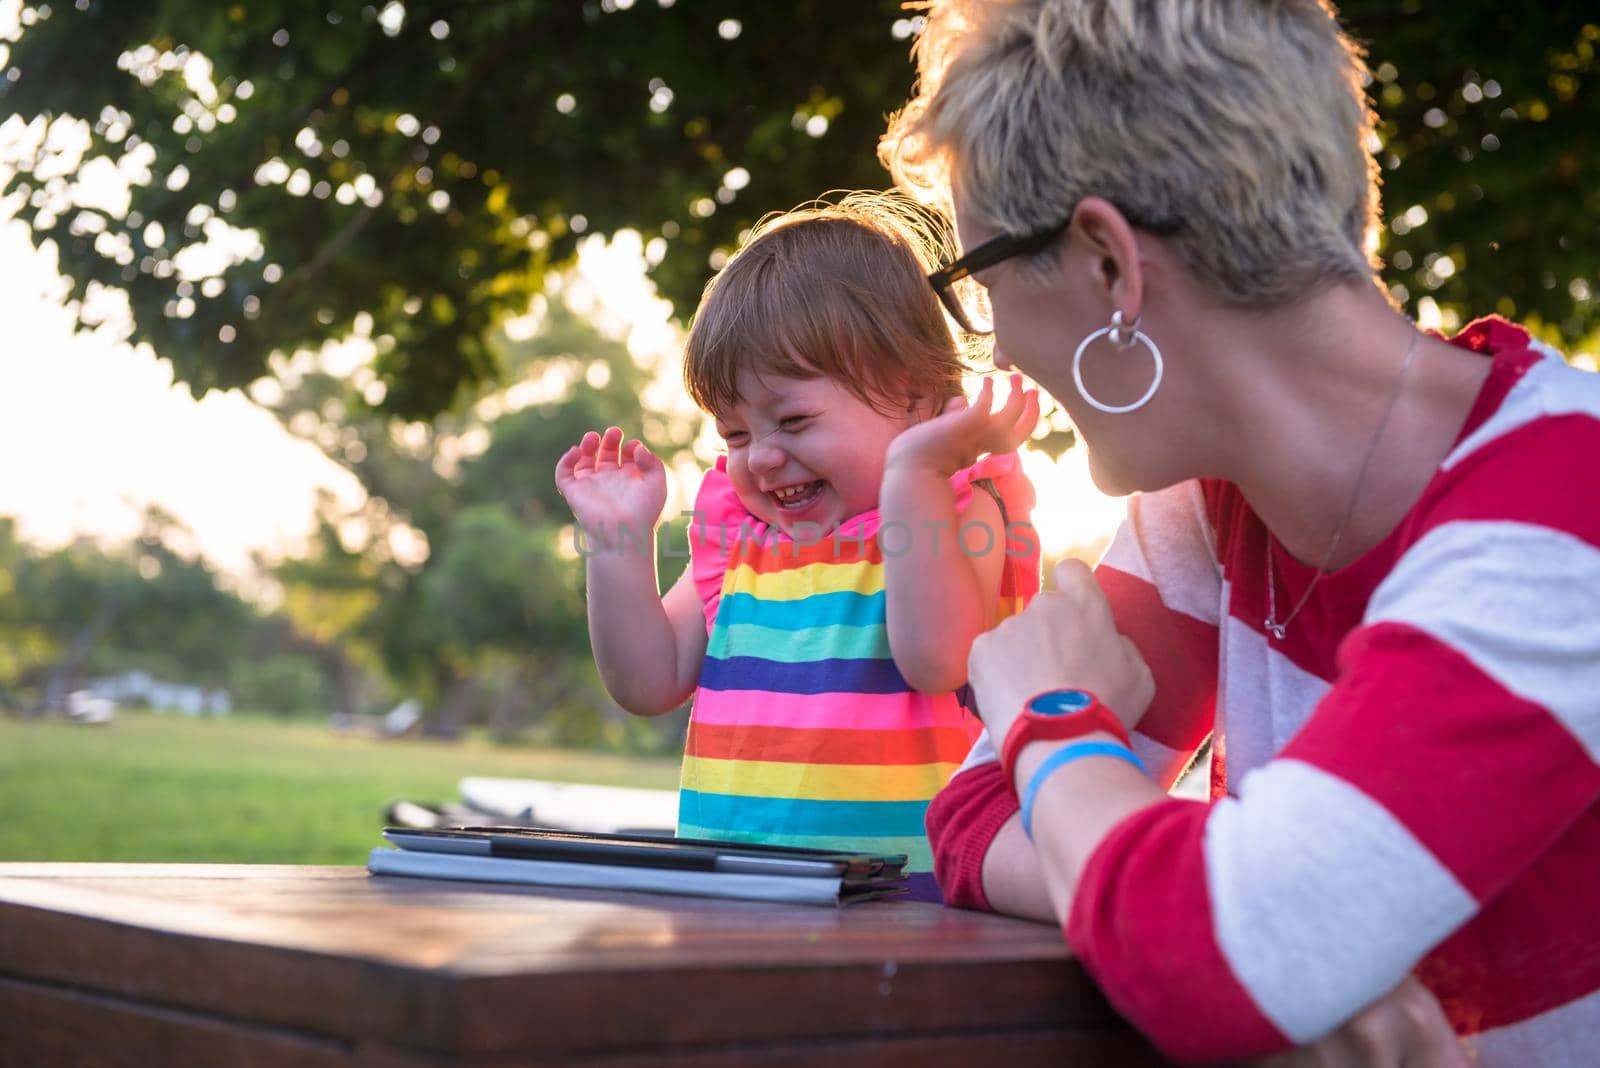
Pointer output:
x,y
964,431
609,482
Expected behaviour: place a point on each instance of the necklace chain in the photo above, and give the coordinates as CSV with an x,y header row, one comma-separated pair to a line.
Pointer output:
x,y
1276,627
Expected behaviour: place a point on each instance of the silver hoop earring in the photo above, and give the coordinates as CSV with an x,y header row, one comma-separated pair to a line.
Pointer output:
x,y
1124,336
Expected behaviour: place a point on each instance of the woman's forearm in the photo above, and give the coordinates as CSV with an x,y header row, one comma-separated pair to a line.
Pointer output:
x,y
982,858
1013,879
1075,808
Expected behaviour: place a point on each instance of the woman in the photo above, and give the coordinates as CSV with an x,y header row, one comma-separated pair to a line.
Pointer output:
x,y
1361,559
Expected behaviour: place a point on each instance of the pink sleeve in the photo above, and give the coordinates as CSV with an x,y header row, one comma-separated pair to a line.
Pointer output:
x,y
1019,581
713,529
1005,471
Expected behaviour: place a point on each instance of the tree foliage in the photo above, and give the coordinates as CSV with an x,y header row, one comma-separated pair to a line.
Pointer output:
x,y
1490,118
457,577
426,163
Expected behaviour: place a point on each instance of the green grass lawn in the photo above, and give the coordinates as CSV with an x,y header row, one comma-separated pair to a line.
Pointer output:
x,y
242,789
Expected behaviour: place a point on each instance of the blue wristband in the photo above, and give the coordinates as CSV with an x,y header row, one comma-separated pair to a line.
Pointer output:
x,y
1060,759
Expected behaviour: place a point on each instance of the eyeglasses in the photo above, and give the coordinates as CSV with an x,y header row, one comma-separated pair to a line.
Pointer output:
x,y
967,299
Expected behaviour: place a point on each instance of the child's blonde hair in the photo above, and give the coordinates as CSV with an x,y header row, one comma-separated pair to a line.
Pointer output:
x,y
838,290
1245,120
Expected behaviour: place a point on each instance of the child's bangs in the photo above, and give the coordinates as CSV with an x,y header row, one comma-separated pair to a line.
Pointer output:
x,y
782,319
839,291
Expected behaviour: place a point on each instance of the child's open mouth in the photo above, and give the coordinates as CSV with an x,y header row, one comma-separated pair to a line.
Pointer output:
x,y
794,498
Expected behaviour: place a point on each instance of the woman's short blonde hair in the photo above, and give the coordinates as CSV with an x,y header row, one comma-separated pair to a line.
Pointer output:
x,y
1246,120
835,289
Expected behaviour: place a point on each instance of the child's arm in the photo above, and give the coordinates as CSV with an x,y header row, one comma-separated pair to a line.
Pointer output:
x,y
648,648
939,598
942,591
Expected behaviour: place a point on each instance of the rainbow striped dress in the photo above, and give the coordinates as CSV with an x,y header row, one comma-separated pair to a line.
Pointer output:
x,y
803,731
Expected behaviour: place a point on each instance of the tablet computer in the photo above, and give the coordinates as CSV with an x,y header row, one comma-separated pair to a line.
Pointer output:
x,y
653,851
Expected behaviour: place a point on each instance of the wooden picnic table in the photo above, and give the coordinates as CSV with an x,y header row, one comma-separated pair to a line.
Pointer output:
x,y
201,965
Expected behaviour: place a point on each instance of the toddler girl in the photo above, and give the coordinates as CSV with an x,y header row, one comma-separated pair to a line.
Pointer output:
x,y
826,631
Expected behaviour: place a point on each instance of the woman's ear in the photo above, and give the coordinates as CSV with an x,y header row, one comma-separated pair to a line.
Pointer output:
x,y
1107,250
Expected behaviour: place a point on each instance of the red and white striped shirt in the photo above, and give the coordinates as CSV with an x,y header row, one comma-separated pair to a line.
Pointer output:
x,y
1407,782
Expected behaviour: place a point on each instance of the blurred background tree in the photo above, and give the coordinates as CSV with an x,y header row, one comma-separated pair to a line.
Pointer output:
x,y
1489,116
457,578
85,609
426,163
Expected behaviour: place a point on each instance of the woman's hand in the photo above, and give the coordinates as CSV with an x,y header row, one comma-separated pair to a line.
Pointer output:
x,y
964,431
1064,638
611,484
1407,1029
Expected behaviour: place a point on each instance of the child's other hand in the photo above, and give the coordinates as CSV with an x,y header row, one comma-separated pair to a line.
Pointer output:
x,y
964,431
609,482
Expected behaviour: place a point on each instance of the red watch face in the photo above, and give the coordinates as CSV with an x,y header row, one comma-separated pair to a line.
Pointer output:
x,y
1060,703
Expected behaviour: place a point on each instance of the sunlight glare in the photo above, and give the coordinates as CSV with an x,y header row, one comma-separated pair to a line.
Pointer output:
x,y
1072,516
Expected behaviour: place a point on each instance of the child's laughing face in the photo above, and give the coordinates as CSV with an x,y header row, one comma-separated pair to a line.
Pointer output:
x,y
806,450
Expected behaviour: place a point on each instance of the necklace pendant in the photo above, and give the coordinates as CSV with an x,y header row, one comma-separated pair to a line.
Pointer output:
x,y
1273,628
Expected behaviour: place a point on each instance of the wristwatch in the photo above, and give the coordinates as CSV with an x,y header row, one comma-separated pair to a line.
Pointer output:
x,y
1055,716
